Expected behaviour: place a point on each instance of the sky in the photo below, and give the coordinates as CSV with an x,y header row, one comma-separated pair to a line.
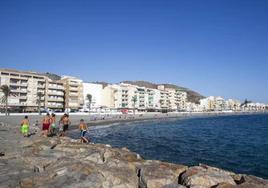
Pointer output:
x,y
215,47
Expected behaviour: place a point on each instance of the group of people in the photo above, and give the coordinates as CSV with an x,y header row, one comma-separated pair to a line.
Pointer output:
x,y
49,127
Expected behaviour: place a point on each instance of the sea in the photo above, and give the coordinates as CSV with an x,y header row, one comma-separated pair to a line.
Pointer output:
x,y
238,143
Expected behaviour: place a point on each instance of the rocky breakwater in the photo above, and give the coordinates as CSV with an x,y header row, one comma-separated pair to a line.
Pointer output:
x,y
63,162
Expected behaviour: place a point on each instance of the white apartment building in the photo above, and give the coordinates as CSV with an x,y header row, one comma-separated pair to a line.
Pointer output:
x,y
172,99
208,104
256,107
164,97
123,96
154,97
96,91
232,104
24,87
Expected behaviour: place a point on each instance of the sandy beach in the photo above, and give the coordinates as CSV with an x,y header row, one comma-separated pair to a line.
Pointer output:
x,y
93,119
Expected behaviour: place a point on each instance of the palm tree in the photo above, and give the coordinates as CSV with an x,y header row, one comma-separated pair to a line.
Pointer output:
x,y
39,95
134,99
89,98
7,93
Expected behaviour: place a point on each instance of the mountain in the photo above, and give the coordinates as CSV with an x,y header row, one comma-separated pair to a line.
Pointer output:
x,y
52,76
192,96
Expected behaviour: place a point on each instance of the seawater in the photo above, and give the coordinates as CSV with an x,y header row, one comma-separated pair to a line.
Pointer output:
x,y
238,143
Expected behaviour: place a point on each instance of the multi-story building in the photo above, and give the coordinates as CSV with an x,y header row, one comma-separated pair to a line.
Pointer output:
x,y
54,95
164,97
96,91
142,98
124,95
153,99
74,98
181,100
232,104
208,104
26,85
172,99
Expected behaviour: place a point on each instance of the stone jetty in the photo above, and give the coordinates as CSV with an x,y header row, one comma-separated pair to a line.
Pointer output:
x,y
63,162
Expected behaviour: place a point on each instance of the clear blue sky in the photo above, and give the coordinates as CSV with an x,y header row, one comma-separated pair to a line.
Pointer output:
x,y
216,47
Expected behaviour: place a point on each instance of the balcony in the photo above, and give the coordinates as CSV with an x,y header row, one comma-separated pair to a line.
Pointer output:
x,y
74,94
74,84
14,84
56,99
73,88
41,86
19,90
54,106
56,87
55,93
23,97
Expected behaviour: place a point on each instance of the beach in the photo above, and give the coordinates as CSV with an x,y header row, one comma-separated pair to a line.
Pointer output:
x,y
94,119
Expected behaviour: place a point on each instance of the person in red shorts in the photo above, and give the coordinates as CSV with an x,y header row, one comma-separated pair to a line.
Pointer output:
x,y
46,124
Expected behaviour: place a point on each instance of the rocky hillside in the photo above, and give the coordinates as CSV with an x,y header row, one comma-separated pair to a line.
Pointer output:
x,y
192,96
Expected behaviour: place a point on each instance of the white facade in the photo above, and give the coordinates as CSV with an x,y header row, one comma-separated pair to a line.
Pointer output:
x,y
96,91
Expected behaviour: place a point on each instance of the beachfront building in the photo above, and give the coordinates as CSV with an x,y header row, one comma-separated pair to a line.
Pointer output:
x,y
213,104
256,107
154,97
181,100
96,91
54,95
172,99
25,86
74,98
124,96
208,104
220,104
233,104
164,97
142,98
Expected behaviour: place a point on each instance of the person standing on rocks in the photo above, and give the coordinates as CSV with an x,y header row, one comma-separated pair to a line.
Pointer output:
x,y
65,121
25,126
53,124
83,131
46,124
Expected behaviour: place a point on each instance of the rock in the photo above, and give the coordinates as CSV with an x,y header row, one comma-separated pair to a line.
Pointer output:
x,y
253,180
247,181
225,185
173,185
96,158
26,183
206,177
154,174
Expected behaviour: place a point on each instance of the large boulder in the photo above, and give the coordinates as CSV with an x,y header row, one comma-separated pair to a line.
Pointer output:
x,y
204,176
156,174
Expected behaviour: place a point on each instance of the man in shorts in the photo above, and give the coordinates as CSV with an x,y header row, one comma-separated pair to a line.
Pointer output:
x,y
46,124
25,126
65,123
53,124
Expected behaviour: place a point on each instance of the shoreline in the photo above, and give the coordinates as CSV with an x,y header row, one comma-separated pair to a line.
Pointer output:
x,y
94,119
170,116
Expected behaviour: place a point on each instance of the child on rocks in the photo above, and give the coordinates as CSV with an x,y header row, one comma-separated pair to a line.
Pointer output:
x,y
83,131
25,126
